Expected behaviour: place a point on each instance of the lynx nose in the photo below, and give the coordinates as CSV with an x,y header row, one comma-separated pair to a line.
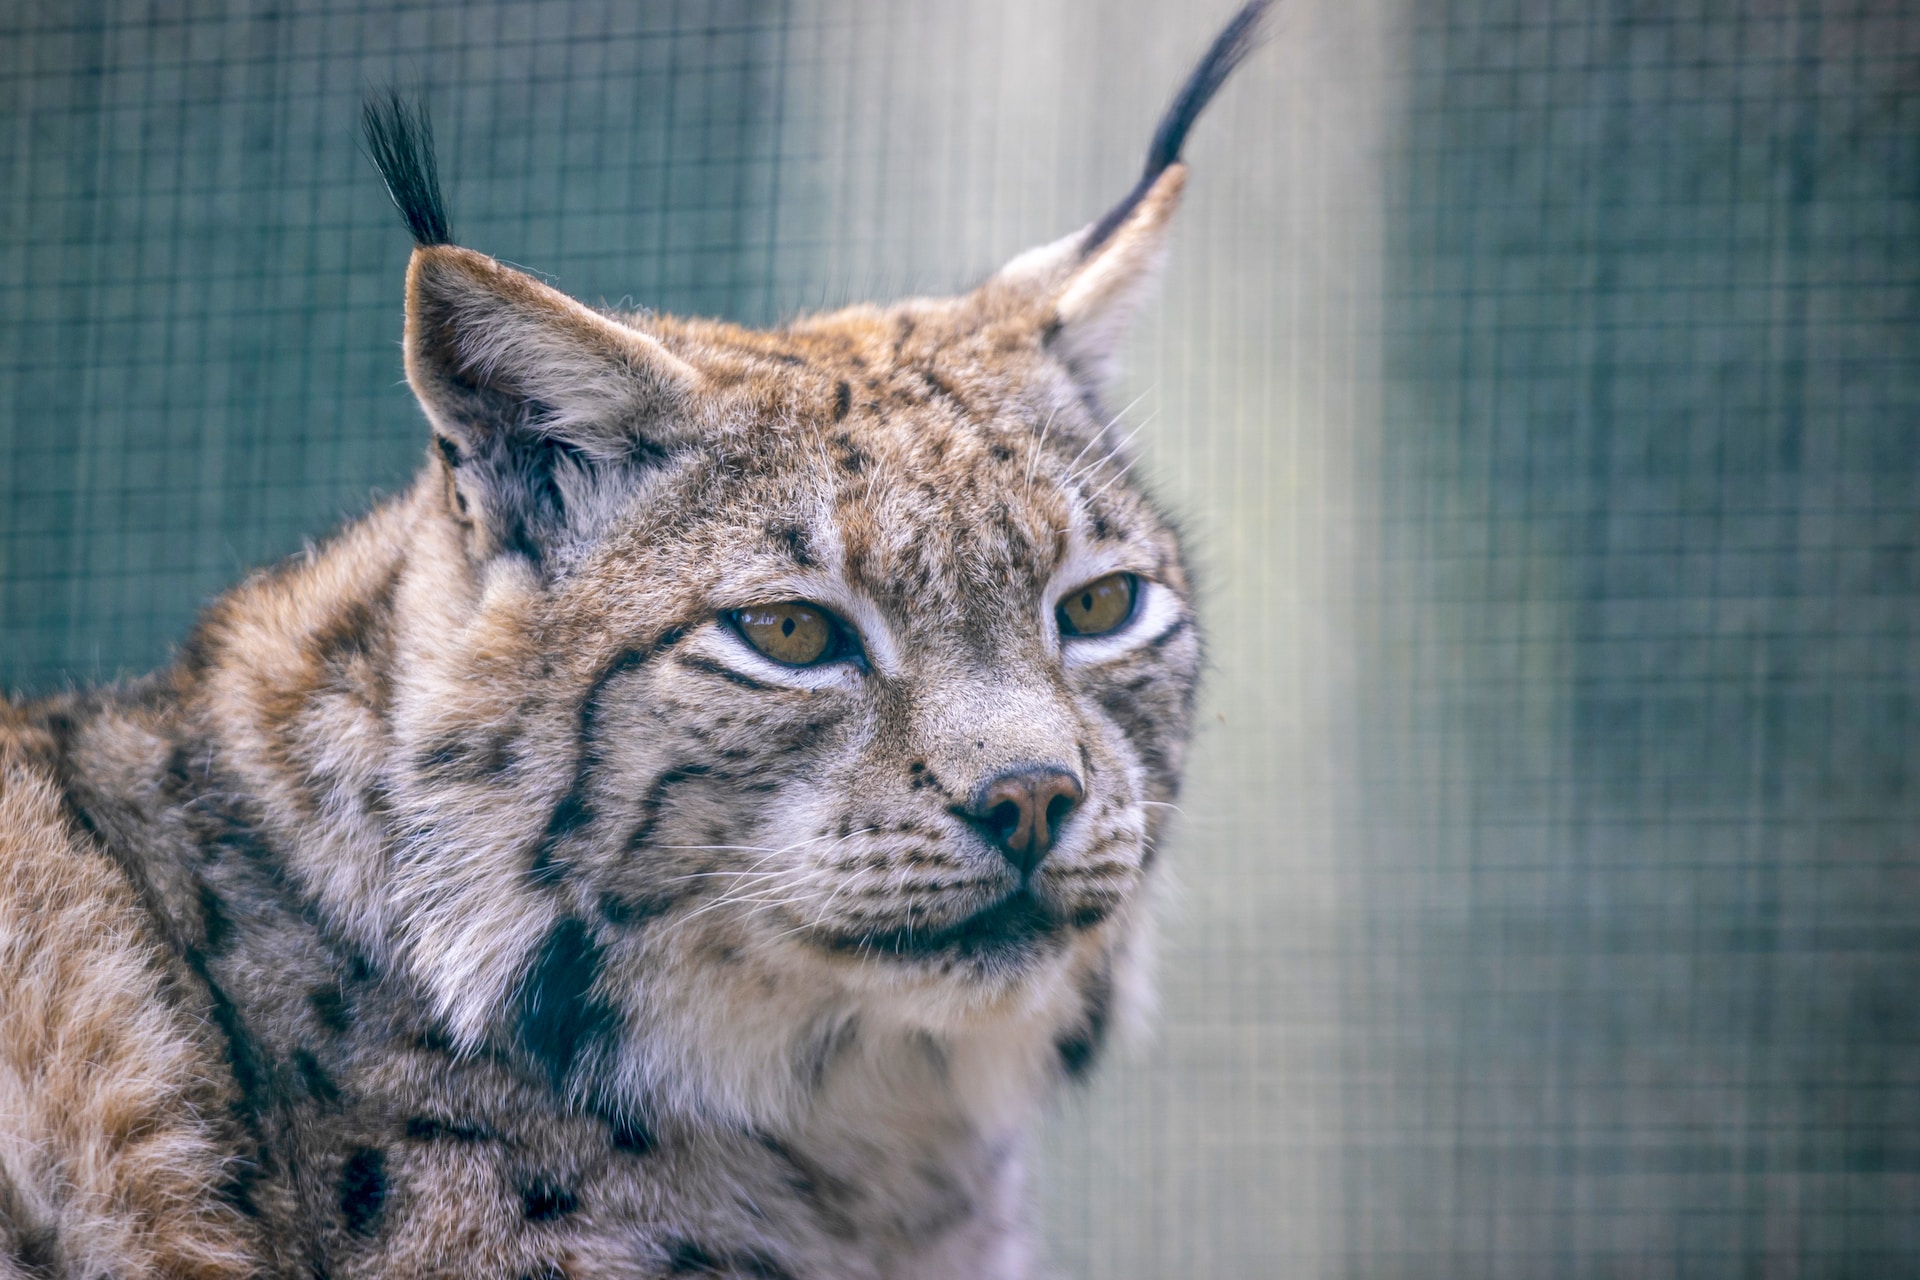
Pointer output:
x,y
1021,811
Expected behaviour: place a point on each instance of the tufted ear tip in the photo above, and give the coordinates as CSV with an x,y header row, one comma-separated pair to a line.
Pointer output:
x,y
491,349
1083,302
1092,312
399,140
540,404
1083,289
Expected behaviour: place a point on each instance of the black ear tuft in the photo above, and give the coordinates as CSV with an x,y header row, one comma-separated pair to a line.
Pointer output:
x,y
1229,49
400,143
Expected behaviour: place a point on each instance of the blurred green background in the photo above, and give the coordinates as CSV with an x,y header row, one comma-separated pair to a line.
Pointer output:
x,y
1539,382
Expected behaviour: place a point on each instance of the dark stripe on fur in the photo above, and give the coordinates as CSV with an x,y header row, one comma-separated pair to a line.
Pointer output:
x,y
569,816
656,799
556,1014
1080,1050
363,1189
823,1193
243,1053
400,143
314,1078
712,668
463,758
1178,627
827,1045
690,1259
215,824
330,1009
544,1201
216,929
793,540
632,1136
1229,49
429,1129
1142,730
631,913
575,811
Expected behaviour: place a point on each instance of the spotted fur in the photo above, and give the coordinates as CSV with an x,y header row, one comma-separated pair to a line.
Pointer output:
x,y
470,898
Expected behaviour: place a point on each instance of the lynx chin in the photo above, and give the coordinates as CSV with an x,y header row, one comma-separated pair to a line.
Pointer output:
x,y
690,831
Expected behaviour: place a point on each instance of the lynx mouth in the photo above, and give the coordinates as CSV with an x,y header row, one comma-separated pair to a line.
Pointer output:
x,y
1014,927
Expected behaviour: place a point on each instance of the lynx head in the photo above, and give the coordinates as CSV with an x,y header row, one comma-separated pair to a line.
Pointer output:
x,y
763,693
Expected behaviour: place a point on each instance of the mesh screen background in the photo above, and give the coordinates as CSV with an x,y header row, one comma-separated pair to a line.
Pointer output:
x,y
1539,382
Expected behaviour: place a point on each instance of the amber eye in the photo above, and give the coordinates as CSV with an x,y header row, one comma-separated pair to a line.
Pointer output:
x,y
796,633
1103,605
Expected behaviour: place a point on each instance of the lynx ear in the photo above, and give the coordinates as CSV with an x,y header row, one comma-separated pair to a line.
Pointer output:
x,y
1086,287
1087,297
491,350
538,403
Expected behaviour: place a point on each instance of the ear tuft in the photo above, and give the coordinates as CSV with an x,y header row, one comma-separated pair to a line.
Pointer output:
x,y
400,144
1229,49
1083,289
1092,313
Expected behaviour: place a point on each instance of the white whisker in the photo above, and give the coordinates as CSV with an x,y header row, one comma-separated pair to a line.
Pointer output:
x,y
752,888
1100,435
1033,454
1110,455
1115,479
735,875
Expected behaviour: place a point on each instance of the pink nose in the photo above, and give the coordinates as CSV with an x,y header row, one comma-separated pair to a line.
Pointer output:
x,y
1021,811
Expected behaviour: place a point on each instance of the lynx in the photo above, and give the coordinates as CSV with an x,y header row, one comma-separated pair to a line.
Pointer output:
x,y
689,831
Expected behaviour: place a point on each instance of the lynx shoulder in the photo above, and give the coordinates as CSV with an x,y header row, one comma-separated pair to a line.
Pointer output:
x,y
688,831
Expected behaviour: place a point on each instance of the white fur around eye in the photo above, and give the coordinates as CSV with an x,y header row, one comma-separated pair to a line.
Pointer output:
x,y
1154,610
854,610
722,644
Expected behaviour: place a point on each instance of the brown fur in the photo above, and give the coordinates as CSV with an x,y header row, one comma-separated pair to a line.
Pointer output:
x,y
108,1163
470,898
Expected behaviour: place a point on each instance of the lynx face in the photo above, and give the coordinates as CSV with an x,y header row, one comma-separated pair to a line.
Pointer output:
x,y
763,691
850,684
944,784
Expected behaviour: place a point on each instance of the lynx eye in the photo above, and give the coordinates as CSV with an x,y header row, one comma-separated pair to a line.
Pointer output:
x,y
795,633
1100,607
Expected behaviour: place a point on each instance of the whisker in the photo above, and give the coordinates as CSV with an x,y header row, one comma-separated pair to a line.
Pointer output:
x,y
837,890
1080,469
1033,454
748,848
737,875
764,887
739,899
1110,455
1074,469
1101,433
808,924
1113,480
